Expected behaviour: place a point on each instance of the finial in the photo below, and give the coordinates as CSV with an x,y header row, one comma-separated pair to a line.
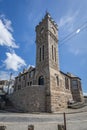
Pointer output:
x,y
47,13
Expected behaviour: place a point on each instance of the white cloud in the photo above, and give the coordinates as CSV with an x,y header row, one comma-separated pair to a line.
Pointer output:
x,y
8,25
67,21
6,37
13,61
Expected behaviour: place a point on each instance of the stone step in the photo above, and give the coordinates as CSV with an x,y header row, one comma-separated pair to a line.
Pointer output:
x,y
77,105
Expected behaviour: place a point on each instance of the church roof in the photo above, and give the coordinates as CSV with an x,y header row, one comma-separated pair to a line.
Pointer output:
x,y
70,75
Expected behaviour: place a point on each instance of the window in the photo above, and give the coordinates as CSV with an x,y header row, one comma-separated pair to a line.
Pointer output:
x,y
41,80
43,52
55,53
19,87
2,82
74,84
30,83
31,74
40,54
79,84
57,80
66,83
52,52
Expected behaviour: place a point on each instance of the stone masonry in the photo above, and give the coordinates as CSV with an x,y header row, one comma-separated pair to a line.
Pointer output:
x,y
46,82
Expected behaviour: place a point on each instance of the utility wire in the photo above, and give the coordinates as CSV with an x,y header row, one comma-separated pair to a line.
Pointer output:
x,y
74,33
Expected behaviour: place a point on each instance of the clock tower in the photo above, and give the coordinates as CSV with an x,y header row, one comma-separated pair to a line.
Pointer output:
x,y
47,43
47,61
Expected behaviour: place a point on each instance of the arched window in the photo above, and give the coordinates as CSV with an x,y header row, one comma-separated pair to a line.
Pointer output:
x,y
40,54
43,52
52,53
41,80
66,83
55,53
57,80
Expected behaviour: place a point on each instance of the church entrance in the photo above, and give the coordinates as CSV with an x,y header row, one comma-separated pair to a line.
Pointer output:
x,y
41,80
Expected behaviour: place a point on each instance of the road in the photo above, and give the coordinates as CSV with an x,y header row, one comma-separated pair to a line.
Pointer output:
x,y
75,121
21,117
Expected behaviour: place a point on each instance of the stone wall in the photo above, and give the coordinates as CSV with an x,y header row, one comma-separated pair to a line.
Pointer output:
x,y
60,95
85,99
77,96
59,100
29,99
76,90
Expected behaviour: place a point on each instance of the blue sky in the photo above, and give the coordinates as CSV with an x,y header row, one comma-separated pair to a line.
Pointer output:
x,y
18,19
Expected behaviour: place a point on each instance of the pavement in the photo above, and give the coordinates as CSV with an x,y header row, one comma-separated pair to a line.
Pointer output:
x,y
76,119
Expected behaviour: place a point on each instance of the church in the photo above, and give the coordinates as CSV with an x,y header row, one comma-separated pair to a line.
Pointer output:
x,y
45,88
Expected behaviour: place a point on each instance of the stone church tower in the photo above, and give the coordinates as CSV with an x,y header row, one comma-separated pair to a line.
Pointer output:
x,y
47,43
47,60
